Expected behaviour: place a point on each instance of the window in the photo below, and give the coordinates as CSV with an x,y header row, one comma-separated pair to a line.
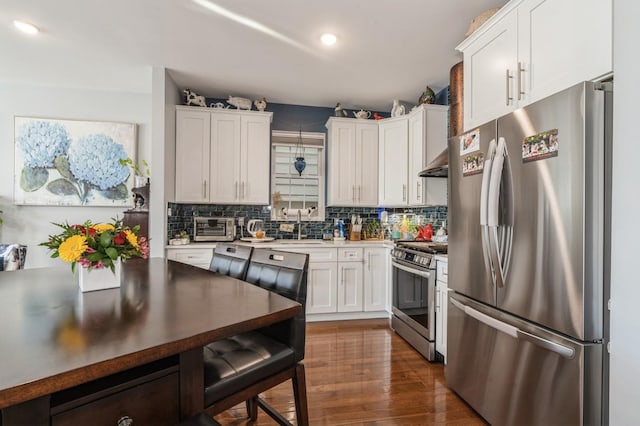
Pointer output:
x,y
290,191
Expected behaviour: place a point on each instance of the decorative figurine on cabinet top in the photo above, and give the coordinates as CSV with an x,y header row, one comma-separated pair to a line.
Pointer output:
x,y
398,109
261,105
239,103
338,111
427,97
377,116
192,98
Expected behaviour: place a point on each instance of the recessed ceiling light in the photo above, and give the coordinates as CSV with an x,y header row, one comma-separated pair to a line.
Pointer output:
x,y
328,39
26,27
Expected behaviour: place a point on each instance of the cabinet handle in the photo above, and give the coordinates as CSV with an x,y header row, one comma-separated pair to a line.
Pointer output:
x,y
520,72
204,189
369,261
418,194
404,192
242,191
359,192
124,421
353,192
508,77
236,190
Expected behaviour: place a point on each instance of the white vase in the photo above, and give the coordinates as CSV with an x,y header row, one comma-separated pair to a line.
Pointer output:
x,y
99,279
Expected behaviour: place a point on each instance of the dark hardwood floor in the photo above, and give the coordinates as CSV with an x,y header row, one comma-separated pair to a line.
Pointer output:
x,y
362,373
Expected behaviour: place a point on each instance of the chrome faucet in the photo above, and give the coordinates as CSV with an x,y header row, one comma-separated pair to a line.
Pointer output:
x,y
299,225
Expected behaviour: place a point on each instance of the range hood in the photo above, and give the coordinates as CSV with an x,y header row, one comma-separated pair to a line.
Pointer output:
x,y
439,167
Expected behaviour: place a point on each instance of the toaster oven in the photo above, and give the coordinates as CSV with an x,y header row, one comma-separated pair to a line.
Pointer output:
x,y
213,229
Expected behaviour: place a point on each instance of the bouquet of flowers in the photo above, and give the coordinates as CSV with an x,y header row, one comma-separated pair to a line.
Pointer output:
x,y
96,246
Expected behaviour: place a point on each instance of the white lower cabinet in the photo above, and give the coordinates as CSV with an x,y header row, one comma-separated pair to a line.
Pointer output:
x,y
350,284
321,287
200,257
376,293
346,282
442,296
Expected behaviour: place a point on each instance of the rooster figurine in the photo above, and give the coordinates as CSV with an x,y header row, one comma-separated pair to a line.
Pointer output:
x,y
428,96
377,116
261,105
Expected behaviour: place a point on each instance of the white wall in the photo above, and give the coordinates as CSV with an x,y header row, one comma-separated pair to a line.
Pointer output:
x,y
31,225
625,276
164,100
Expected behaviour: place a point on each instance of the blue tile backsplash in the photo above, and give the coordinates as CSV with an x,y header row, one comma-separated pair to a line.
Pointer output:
x,y
182,217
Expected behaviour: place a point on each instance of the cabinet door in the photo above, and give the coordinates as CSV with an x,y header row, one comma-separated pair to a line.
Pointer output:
x,y
441,318
193,129
225,158
342,160
488,89
255,150
321,287
366,179
350,287
417,157
376,290
436,129
563,42
393,153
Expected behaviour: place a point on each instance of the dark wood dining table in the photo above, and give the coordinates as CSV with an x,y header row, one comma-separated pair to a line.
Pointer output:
x,y
62,350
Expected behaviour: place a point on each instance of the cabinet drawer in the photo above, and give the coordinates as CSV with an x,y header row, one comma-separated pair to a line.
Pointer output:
x,y
315,254
196,257
151,403
441,272
355,254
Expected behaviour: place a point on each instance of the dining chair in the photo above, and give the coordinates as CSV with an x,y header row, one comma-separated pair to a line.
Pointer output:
x,y
241,367
231,259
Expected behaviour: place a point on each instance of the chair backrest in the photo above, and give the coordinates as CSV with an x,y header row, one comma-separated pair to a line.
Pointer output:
x,y
286,274
230,259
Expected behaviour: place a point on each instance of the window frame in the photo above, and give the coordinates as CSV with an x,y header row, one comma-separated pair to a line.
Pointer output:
x,y
276,139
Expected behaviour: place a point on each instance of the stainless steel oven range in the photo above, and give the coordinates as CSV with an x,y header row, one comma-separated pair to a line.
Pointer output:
x,y
413,294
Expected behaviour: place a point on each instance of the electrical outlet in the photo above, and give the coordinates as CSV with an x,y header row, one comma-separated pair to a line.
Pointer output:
x,y
241,221
169,211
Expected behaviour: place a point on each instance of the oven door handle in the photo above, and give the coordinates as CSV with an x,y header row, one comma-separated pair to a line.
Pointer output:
x,y
413,271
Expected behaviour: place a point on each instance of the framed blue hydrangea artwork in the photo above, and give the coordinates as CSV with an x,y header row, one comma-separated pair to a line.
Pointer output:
x,y
73,162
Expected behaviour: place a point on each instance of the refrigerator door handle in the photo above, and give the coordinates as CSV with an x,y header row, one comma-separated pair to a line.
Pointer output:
x,y
493,208
487,320
514,332
484,195
561,350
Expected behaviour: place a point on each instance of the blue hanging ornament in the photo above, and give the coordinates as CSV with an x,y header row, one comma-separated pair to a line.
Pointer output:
x,y
299,164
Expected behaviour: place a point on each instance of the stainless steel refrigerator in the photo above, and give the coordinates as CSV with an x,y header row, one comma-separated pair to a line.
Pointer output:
x,y
529,204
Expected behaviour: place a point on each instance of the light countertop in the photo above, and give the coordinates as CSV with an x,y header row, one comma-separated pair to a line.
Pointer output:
x,y
310,243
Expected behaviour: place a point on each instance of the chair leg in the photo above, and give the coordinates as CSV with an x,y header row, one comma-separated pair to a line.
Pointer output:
x,y
300,395
252,408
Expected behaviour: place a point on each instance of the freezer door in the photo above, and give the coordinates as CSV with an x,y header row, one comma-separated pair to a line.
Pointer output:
x,y
514,373
555,275
472,272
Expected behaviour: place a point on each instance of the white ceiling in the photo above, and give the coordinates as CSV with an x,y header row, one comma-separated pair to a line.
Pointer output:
x,y
387,49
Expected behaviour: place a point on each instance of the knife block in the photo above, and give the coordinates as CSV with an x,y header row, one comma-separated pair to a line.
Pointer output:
x,y
354,235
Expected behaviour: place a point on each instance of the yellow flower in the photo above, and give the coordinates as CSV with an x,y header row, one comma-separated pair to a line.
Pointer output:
x,y
131,237
72,248
101,227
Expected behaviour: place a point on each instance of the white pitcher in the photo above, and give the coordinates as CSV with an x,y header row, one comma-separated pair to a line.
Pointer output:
x,y
255,226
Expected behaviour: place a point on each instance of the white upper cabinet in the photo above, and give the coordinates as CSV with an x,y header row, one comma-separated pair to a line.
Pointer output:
x,y
393,149
352,170
427,139
193,133
222,156
532,49
406,145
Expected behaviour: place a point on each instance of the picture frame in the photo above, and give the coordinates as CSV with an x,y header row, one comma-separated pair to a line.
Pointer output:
x,y
60,162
